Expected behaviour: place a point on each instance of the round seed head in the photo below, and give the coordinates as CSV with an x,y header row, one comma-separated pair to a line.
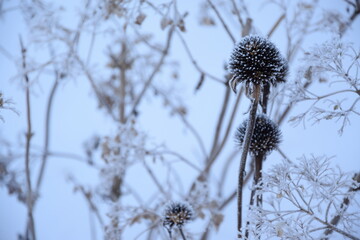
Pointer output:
x,y
257,60
177,214
266,136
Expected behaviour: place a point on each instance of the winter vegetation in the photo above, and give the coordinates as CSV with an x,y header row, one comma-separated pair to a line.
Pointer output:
x,y
167,119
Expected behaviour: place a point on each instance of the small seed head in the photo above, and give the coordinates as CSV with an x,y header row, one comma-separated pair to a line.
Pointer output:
x,y
177,214
266,136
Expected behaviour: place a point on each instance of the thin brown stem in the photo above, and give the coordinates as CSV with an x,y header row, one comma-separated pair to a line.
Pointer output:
x,y
237,12
245,149
47,134
276,25
343,207
182,234
122,83
229,199
29,134
222,20
194,62
220,120
154,72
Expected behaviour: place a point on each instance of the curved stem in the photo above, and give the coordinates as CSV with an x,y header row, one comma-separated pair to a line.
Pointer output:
x,y
245,147
47,135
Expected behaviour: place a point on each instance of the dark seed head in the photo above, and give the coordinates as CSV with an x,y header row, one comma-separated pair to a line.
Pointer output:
x,y
266,136
257,60
177,214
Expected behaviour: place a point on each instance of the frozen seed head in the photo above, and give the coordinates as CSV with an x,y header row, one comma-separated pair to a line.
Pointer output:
x,y
177,214
256,60
266,136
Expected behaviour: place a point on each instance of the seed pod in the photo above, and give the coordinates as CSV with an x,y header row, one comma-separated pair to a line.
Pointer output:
x,y
256,60
266,136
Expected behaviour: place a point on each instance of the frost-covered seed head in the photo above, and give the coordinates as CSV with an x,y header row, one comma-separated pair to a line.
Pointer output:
x,y
177,214
266,136
257,60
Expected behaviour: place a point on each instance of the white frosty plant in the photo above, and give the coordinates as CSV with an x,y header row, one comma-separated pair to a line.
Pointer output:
x,y
309,199
336,64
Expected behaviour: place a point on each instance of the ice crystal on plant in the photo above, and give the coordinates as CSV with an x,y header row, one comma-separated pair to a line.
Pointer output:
x,y
256,60
265,138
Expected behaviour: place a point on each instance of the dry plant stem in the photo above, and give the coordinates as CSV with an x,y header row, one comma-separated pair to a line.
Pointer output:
x,y
194,62
92,205
154,72
47,134
95,88
182,234
329,225
343,207
122,83
237,12
220,120
29,134
221,20
258,160
224,172
227,201
352,18
212,159
226,136
276,25
289,107
153,177
245,149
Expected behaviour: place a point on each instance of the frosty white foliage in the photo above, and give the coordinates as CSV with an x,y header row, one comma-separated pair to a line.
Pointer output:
x,y
336,63
301,199
119,151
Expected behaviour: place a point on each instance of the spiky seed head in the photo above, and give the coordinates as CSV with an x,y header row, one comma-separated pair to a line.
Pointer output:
x,y
177,214
256,60
266,136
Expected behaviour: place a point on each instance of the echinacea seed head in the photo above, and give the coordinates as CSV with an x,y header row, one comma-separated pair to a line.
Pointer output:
x,y
266,136
177,214
256,60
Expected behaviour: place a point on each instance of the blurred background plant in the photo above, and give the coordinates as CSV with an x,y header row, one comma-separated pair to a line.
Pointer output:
x,y
126,103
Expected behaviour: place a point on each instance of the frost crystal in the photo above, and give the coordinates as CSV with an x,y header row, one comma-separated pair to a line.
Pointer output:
x,y
256,60
265,138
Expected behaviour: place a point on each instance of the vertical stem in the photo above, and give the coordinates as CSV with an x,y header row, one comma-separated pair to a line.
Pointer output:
x,y
29,196
182,234
258,159
245,147
123,82
47,135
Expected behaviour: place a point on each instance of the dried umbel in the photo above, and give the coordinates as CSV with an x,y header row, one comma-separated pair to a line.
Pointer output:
x,y
266,136
177,214
256,60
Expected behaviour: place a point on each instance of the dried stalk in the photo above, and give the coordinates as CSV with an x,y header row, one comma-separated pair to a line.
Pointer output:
x,y
245,149
29,134
154,72
47,134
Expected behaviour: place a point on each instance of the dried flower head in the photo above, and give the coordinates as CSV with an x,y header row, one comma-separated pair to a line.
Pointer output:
x,y
256,60
266,136
177,214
